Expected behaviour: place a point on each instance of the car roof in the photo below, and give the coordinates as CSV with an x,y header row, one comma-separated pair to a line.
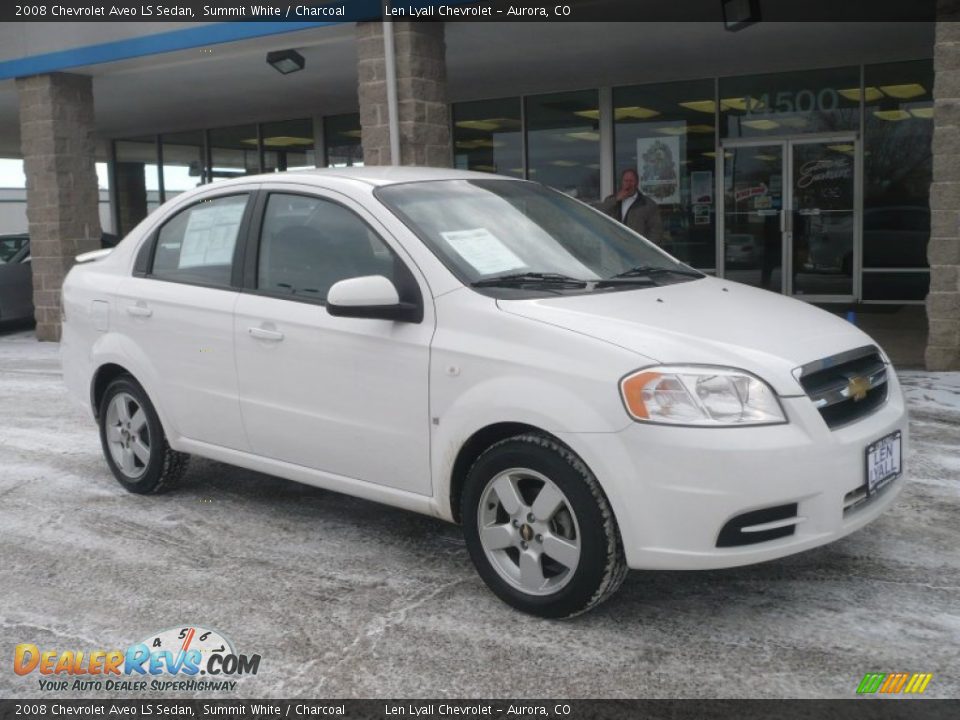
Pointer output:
x,y
370,175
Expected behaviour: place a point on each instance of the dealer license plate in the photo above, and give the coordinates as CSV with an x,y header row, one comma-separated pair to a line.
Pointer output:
x,y
883,461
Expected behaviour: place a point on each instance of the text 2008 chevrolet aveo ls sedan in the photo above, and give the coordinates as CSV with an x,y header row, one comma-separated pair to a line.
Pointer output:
x,y
490,352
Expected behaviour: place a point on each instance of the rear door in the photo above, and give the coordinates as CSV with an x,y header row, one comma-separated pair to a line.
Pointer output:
x,y
177,311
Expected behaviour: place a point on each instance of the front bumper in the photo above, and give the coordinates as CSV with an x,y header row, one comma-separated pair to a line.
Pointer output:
x,y
674,488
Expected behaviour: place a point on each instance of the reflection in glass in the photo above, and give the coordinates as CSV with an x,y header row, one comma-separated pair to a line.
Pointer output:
x,y
183,162
793,103
288,145
137,181
234,152
487,136
898,165
822,218
752,202
666,133
341,136
563,142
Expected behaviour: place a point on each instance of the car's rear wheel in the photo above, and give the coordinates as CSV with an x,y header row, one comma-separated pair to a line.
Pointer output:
x,y
539,528
133,440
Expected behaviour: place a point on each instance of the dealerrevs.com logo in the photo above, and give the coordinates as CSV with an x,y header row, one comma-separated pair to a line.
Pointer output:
x,y
194,657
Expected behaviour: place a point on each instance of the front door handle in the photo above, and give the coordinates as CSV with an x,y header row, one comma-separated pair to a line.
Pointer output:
x,y
140,310
264,334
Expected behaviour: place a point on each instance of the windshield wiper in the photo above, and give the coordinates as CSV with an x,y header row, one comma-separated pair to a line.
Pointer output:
x,y
650,270
531,278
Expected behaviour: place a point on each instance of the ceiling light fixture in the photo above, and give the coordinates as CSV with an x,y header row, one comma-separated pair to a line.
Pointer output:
x,y
286,61
738,14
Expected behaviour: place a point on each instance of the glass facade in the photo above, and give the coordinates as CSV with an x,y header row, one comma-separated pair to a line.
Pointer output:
x,y
773,159
487,136
563,142
666,132
794,103
898,169
341,140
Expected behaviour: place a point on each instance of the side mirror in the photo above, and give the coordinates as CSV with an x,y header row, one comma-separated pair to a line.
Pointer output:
x,y
373,297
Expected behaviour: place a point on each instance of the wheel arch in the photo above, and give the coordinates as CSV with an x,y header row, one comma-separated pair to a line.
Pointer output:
x,y
474,447
104,375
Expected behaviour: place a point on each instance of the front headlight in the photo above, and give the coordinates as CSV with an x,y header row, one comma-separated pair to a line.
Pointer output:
x,y
700,395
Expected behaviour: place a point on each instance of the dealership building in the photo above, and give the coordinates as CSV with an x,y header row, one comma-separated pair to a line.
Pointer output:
x,y
815,159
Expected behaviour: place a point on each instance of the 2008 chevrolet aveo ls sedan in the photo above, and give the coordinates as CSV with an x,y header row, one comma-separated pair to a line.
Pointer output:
x,y
490,352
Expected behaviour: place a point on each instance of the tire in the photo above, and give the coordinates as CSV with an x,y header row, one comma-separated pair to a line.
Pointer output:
x,y
133,440
555,558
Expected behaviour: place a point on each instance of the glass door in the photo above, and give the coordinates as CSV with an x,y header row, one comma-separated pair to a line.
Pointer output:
x,y
790,223
753,220
822,221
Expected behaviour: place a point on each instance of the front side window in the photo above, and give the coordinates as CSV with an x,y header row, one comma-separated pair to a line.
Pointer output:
x,y
307,244
198,244
488,229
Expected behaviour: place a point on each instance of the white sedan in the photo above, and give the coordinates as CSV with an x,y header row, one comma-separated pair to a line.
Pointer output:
x,y
490,352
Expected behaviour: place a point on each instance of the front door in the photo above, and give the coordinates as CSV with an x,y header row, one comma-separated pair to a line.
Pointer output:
x,y
789,216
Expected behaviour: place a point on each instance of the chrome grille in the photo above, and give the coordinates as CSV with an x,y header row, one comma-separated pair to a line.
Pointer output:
x,y
846,387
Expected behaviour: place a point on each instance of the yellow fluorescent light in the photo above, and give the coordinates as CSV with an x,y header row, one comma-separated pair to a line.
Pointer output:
x,y
351,133
485,125
904,92
594,166
760,124
634,113
741,103
287,141
484,168
700,129
712,154
922,112
704,106
585,135
841,148
589,114
761,156
872,94
892,115
671,130
474,144
564,163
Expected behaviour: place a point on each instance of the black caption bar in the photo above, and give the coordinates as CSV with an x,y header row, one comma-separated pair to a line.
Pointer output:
x,y
456,10
913,709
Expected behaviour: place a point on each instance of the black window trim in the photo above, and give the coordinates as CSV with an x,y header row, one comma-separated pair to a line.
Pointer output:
x,y
143,264
251,255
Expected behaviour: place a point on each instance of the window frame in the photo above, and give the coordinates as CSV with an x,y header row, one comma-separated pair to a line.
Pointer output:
x,y
409,290
146,255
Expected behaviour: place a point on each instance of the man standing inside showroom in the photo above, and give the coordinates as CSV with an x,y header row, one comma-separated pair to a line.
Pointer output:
x,y
634,209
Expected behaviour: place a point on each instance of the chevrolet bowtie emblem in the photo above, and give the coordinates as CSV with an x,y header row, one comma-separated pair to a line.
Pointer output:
x,y
857,388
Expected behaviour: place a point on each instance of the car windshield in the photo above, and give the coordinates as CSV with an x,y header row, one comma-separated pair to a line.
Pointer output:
x,y
520,234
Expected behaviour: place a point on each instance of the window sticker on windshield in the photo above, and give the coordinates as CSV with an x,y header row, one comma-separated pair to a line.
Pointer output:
x,y
483,250
211,234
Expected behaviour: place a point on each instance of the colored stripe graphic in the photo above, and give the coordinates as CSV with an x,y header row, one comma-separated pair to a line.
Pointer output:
x,y
871,683
892,683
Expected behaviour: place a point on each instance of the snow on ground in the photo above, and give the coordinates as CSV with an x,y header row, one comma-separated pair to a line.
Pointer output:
x,y
346,598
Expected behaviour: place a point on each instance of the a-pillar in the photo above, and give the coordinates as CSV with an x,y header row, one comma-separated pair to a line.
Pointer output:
x,y
421,82
57,142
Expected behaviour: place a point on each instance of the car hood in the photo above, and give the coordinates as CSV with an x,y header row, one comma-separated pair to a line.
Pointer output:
x,y
706,321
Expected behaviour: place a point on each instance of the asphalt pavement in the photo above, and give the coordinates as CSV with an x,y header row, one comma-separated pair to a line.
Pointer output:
x,y
346,598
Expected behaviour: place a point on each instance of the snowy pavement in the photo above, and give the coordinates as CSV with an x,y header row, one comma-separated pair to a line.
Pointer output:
x,y
347,598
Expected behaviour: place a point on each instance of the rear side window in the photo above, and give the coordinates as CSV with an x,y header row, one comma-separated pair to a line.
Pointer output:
x,y
197,245
307,244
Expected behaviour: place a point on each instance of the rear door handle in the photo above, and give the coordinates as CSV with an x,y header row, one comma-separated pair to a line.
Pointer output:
x,y
139,310
264,334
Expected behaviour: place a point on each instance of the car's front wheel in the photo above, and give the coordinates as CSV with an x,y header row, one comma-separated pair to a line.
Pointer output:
x,y
133,440
539,528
